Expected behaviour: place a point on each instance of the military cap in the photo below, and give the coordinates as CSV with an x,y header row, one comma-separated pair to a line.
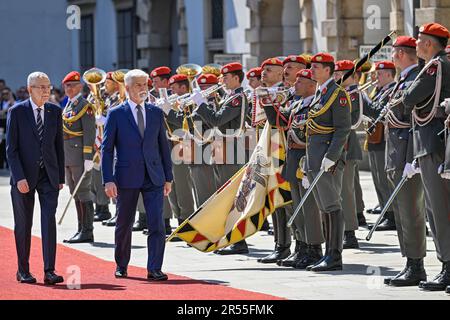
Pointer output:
x,y
207,79
305,73
405,41
178,78
293,58
384,65
254,72
231,67
160,71
435,30
322,57
272,62
72,76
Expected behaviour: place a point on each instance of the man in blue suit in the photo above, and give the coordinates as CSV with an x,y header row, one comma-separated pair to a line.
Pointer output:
x,y
35,151
135,130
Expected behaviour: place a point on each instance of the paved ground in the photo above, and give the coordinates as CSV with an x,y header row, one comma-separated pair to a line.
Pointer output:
x,y
361,278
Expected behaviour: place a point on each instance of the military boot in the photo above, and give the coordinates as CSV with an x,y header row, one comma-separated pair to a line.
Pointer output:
x,y
350,241
111,222
412,276
440,282
80,221
87,227
237,248
279,253
313,256
300,250
361,219
326,234
102,213
388,223
333,259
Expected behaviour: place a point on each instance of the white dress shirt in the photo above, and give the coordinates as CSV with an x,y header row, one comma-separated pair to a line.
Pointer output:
x,y
133,106
35,106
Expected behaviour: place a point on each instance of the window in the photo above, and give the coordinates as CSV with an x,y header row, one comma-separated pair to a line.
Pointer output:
x,y
216,19
125,39
87,43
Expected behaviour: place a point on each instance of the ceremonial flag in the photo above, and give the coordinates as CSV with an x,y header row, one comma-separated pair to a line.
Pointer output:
x,y
238,209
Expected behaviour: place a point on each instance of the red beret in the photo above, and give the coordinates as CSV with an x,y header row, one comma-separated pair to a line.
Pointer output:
x,y
272,62
207,79
255,72
297,59
234,66
177,78
72,76
109,75
405,41
344,65
322,57
435,29
305,73
447,49
160,71
384,65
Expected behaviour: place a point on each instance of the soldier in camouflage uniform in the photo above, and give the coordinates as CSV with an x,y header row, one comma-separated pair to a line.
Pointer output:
x,y
328,129
307,225
422,99
79,136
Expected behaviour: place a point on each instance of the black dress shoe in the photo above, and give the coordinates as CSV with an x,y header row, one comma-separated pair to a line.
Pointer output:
x,y
121,273
350,241
447,290
237,248
102,213
270,232
157,275
279,253
25,277
440,282
413,274
52,278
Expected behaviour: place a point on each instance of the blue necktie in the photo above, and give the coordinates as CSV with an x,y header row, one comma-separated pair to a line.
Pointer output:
x,y
40,129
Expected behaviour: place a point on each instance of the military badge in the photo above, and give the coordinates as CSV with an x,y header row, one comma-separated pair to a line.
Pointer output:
x,y
235,102
353,97
432,71
343,101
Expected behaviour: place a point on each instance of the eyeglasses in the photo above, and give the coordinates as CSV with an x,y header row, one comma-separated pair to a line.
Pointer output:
x,y
43,88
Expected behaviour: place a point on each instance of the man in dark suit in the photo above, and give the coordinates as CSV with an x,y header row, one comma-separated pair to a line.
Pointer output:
x,y
135,130
36,156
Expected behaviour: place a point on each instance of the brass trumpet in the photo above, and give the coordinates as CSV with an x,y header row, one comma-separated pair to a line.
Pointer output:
x,y
185,101
119,77
367,85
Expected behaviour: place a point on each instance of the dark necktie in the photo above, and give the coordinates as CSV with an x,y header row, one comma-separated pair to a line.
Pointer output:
x,y
140,120
40,129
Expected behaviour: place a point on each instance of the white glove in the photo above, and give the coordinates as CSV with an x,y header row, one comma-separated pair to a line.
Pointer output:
x,y
166,107
446,104
198,98
88,165
410,170
100,120
305,182
327,164
445,175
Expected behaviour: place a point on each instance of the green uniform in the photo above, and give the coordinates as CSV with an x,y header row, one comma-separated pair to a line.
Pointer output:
x,y
79,135
429,148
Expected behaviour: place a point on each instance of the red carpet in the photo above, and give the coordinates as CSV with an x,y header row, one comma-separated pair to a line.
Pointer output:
x,y
98,282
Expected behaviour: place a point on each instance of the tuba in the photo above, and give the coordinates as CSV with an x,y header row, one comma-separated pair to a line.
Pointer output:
x,y
212,68
95,77
119,77
191,70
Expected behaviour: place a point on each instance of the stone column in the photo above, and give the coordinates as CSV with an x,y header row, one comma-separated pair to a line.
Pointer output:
x,y
433,11
397,16
306,25
291,23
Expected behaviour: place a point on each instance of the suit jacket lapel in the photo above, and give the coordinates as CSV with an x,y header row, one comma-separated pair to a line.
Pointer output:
x,y
131,117
32,119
